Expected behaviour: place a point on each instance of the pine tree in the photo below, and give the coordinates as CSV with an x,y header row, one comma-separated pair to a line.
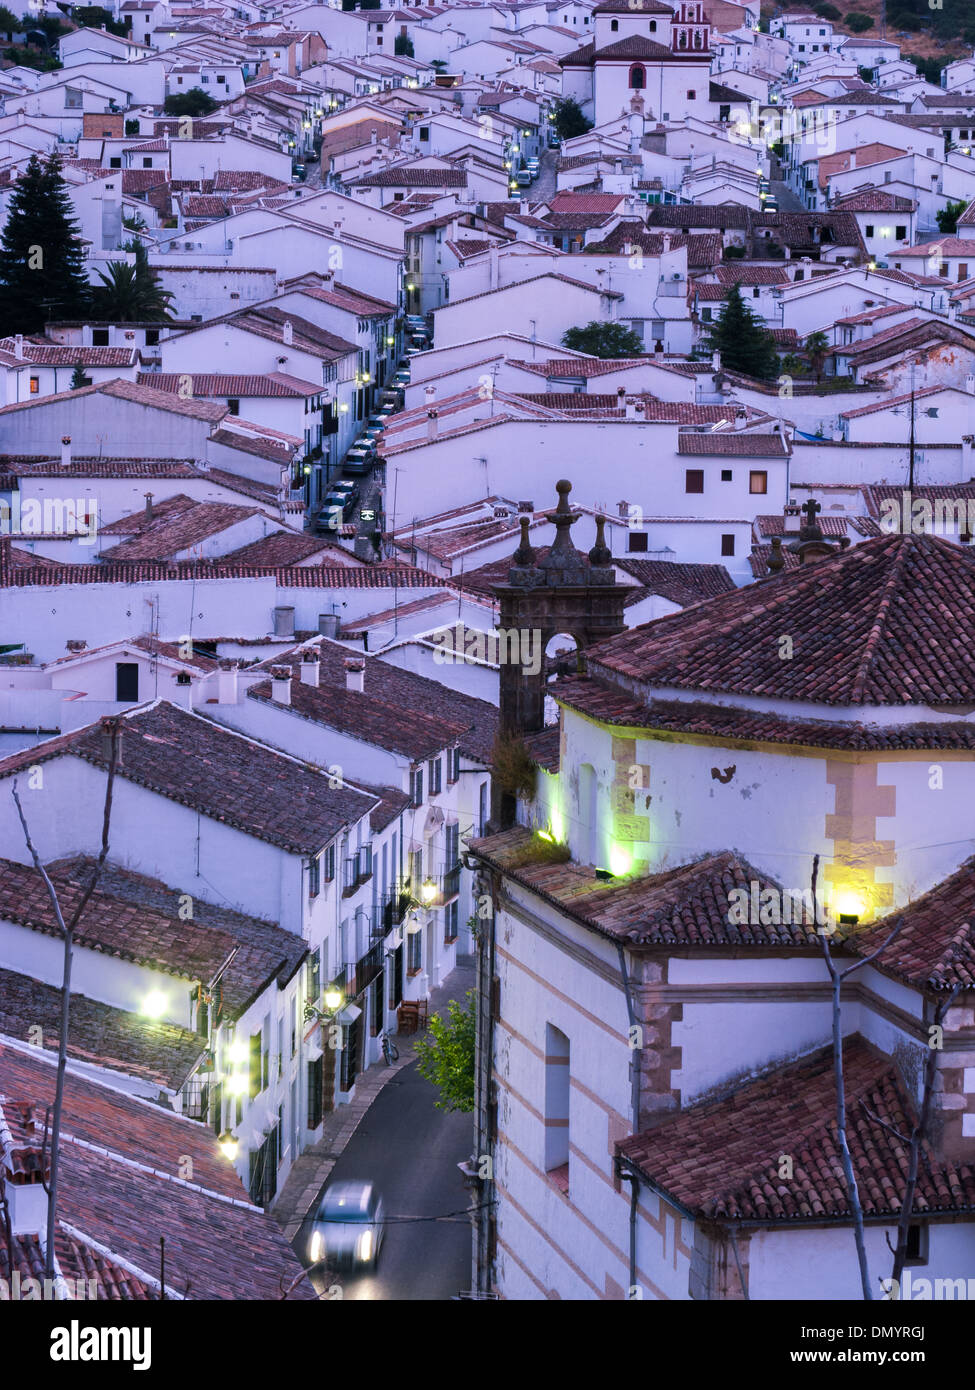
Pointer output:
x,y
745,344
42,262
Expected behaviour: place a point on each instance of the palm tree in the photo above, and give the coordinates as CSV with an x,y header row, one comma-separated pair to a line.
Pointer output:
x,y
131,293
817,347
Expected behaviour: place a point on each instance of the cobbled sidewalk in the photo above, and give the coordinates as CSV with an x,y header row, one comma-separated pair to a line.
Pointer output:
x,y
309,1173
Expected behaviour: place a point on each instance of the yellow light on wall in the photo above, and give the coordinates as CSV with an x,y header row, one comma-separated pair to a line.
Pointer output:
x,y
237,1052
428,890
848,903
237,1085
333,998
390,341
620,859
154,1005
229,1145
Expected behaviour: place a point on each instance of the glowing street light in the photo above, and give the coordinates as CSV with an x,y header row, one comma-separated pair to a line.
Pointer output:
x,y
229,1145
154,1005
428,891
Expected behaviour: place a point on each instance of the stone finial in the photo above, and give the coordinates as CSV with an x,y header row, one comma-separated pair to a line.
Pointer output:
x,y
524,555
776,561
600,553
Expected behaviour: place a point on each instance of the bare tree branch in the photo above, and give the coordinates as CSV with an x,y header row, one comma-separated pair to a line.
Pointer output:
x,y
113,729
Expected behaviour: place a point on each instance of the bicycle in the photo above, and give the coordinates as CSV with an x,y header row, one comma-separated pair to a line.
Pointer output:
x,y
390,1050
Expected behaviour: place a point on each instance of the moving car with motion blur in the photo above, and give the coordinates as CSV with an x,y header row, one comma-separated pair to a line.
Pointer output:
x,y
349,1226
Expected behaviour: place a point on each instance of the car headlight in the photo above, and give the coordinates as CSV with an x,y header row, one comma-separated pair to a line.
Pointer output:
x,y
364,1248
317,1245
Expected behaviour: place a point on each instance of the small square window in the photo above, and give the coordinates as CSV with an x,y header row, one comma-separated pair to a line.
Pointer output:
x,y
900,233
35,385
99,337
637,541
727,545
917,1245
726,475
694,480
869,229
233,406
758,480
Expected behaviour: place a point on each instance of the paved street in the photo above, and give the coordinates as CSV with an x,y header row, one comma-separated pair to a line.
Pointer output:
x,y
410,1150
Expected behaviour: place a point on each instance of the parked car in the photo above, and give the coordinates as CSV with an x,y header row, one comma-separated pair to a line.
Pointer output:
x,y
553,140
523,178
420,341
349,1226
347,488
331,514
416,323
359,461
533,166
770,204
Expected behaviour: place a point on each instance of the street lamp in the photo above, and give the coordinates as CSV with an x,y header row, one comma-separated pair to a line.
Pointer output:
x,y
428,891
229,1145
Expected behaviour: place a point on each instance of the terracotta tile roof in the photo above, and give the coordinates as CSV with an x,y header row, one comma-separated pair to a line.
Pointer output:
x,y
225,776
610,705
703,250
271,384
681,583
720,1159
110,927
875,200
831,526
170,535
684,906
264,950
409,177
581,366
740,444
80,1260
260,446
118,389
745,274
55,355
283,548
935,948
98,1034
868,625
218,1245
397,709
725,215
586,202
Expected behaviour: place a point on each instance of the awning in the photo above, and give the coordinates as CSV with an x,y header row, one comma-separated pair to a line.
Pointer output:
x,y
348,1015
433,821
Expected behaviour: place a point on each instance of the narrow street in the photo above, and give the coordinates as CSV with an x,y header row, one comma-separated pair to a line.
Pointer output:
x,y
410,1150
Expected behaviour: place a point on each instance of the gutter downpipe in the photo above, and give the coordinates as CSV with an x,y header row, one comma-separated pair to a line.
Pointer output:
x,y
636,1069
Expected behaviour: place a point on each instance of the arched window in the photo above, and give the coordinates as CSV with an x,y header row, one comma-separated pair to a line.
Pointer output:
x,y
638,77
614,25
653,26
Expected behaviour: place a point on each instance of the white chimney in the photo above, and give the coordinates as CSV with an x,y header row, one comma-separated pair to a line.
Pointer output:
x,y
429,396
310,665
493,268
227,681
716,361
281,685
287,333
19,346
523,208
634,408
65,451
355,674
666,243
431,424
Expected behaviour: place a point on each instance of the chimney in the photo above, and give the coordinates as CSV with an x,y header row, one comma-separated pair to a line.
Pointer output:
x,y
716,361
493,268
666,243
634,408
65,451
355,674
429,396
227,681
523,208
148,497
287,333
431,424
310,665
283,619
76,644
19,346
281,685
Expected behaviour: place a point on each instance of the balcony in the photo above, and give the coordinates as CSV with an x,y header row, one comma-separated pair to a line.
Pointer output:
x,y
394,909
366,969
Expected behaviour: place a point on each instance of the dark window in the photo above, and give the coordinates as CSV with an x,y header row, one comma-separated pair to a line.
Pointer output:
x,y
152,335
758,480
99,337
314,877
435,782
424,132
917,1245
614,25
692,96
126,680
450,922
869,229
234,407
756,291
638,77
727,545
414,952
256,1066
115,162
416,787
637,541
313,978
706,315
726,475
328,864
694,480
315,1074
900,233
147,162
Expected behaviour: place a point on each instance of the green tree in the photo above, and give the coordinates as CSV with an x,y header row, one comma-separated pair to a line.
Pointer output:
x,y
817,348
603,340
568,119
445,1056
438,65
948,217
403,46
78,378
131,293
42,263
857,22
745,344
94,16
9,23
829,12
49,24
195,102
929,68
